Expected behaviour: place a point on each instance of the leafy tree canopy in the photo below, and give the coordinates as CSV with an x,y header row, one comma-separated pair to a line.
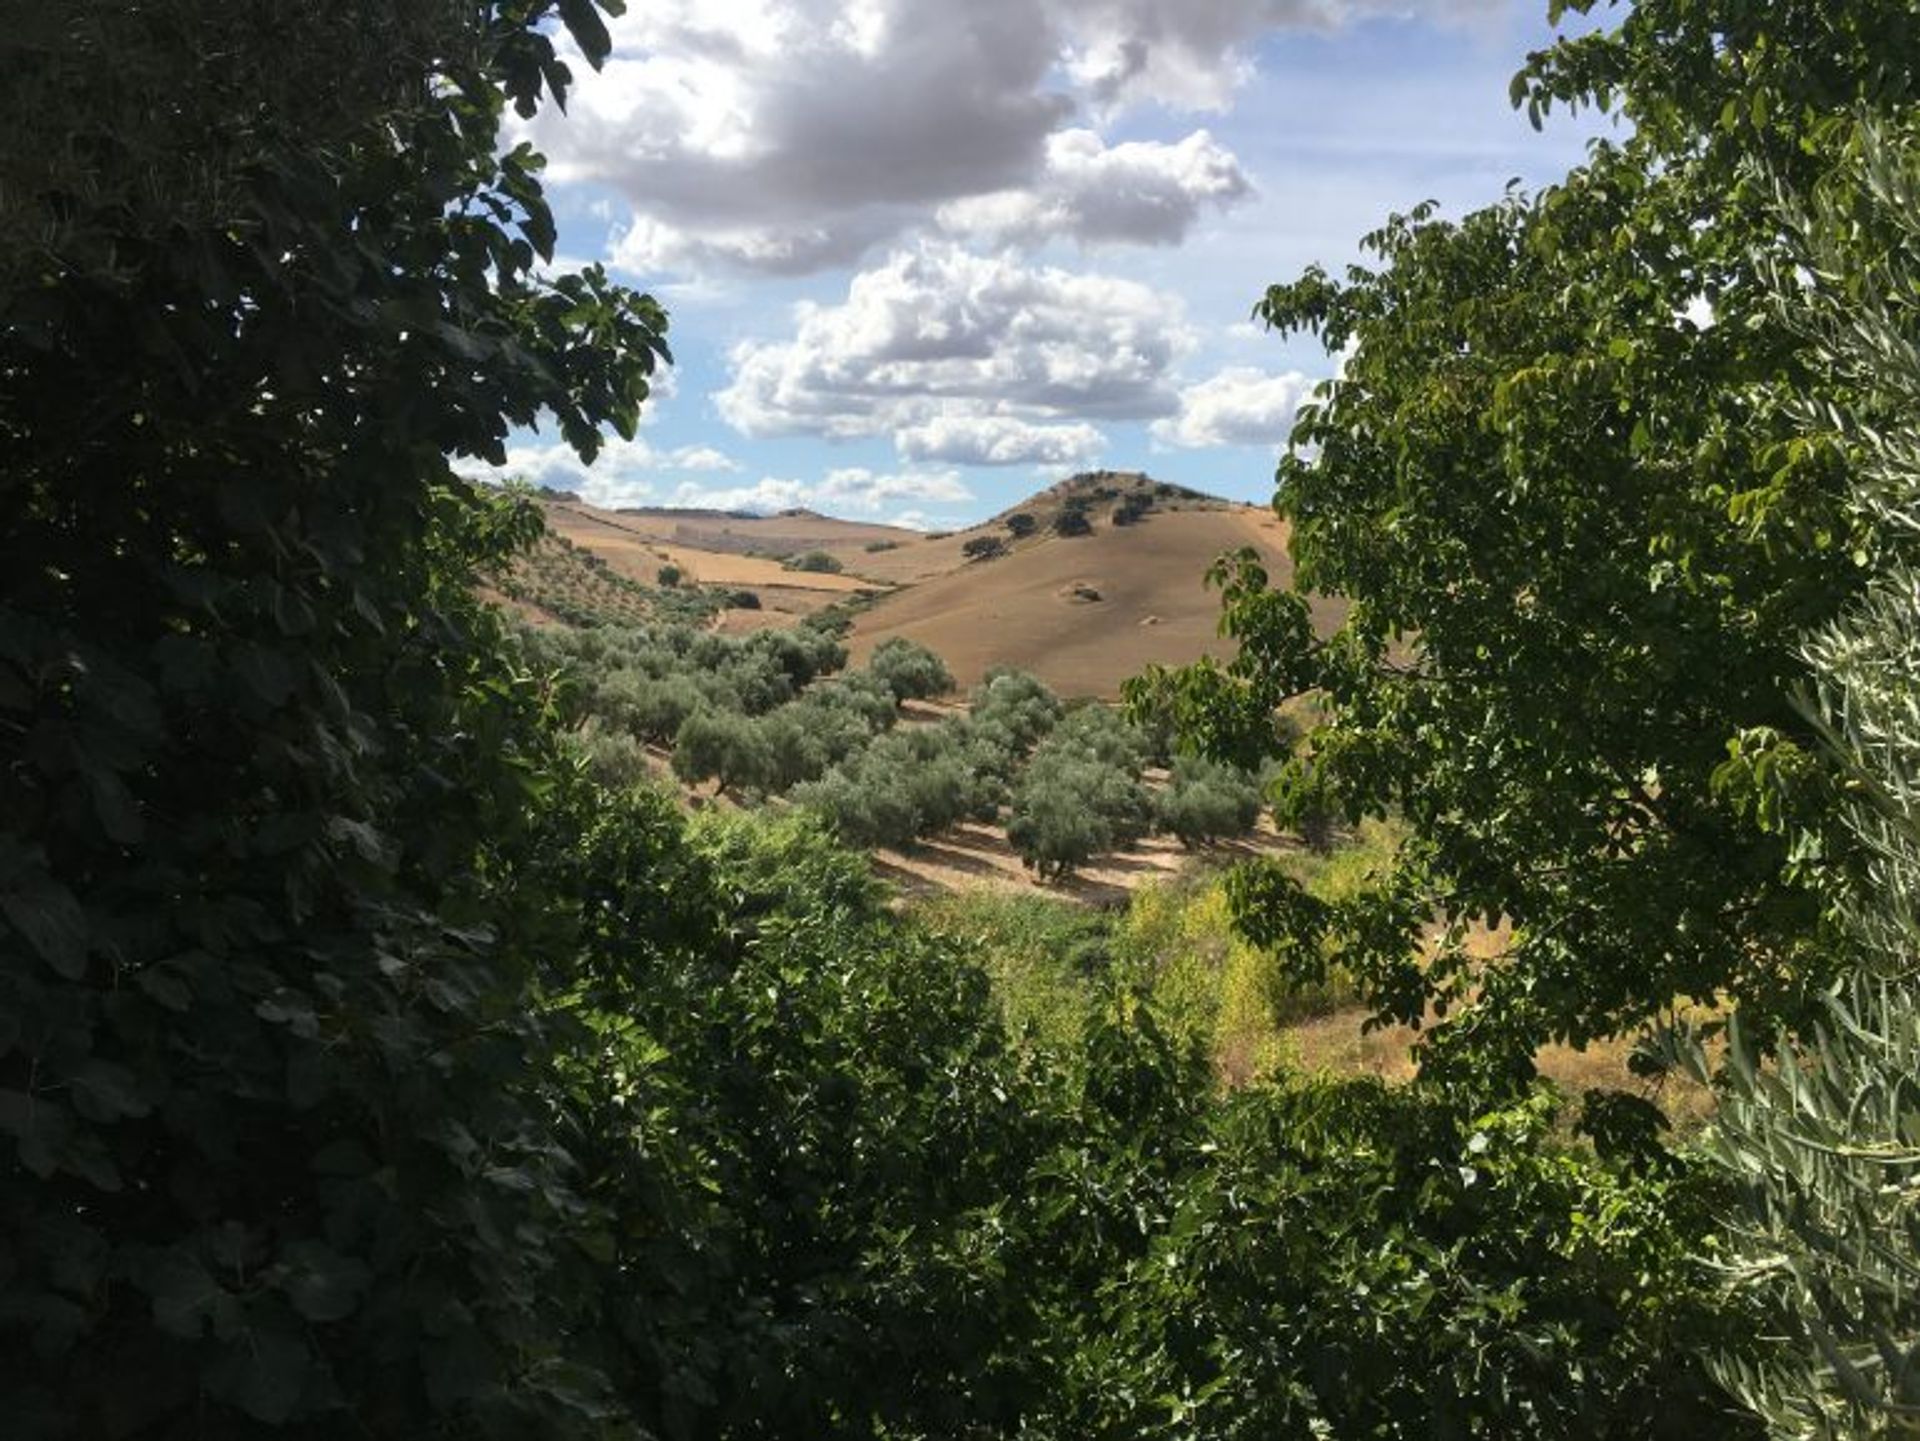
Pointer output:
x,y
271,933
1561,485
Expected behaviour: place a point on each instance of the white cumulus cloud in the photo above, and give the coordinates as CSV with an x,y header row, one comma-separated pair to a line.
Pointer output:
x,y
848,490
1193,54
1240,405
936,336
998,440
791,136
624,473
1142,193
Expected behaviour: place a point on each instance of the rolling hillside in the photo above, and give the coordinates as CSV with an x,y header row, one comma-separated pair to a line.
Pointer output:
x,y
1083,611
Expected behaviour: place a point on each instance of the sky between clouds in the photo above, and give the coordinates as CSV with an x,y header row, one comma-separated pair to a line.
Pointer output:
x,y
924,256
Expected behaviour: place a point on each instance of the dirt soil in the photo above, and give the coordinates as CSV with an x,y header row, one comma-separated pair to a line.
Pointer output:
x,y
1082,612
1032,609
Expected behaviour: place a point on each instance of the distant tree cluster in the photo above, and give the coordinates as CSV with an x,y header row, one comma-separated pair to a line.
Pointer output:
x,y
577,586
817,562
773,714
1071,518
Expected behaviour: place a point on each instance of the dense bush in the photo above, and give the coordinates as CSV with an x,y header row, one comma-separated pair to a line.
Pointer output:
x,y
730,748
277,1084
1071,519
1020,525
984,547
904,786
1015,705
817,562
1070,807
1206,801
909,669
615,759
1101,733
653,710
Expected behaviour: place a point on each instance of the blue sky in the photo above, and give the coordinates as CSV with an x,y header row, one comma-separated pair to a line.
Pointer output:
x,y
925,256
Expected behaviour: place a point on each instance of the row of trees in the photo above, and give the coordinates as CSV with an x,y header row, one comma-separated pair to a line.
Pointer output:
x,y
768,714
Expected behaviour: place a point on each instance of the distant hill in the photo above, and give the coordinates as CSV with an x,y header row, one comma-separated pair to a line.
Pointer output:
x,y
1084,612
1082,583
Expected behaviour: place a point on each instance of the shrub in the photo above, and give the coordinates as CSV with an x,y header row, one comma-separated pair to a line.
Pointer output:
x,y
743,599
905,785
668,576
795,746
724,745
1020,525
874,547
1070,807
653,710
909,669
1016,705
984,547
801,653
858,811
1072,520
1101,733
615,759
861,693
1206,801
816,561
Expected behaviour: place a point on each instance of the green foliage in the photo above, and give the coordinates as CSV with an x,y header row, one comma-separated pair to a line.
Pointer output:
x,y
1047,959
724,746
1337,1258
1020,525
1820,1136
909,669
1014,706
904,786
817,562
984,547
1071,518
803,1128
1580,533
1070,807
1205,801
615,759
1177,942
276,1148
651,709
1080,794
669,576
1101,733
